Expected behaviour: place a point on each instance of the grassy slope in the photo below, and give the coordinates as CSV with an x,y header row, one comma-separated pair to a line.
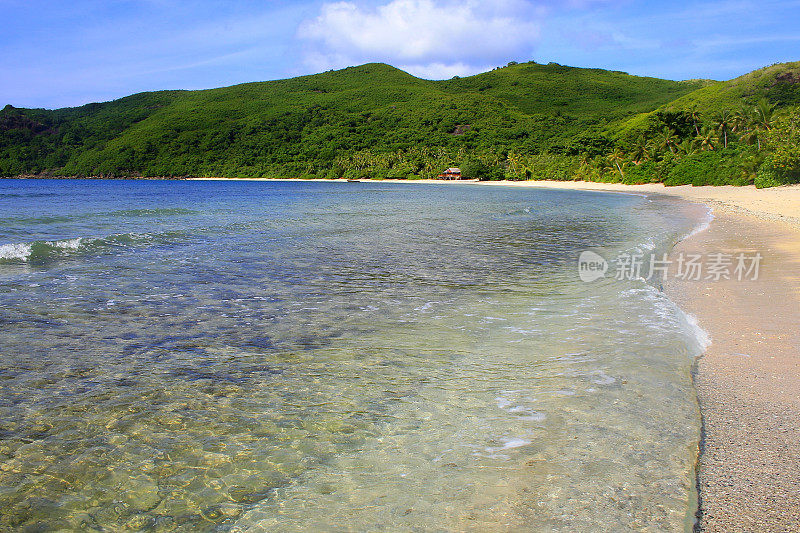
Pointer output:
x,y
750,88
592,95
729,95
256,128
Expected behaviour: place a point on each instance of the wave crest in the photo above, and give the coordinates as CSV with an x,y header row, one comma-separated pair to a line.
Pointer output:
x,y
38,252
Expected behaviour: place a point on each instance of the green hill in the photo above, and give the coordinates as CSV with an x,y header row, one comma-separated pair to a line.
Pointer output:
x,y
523,120
780,84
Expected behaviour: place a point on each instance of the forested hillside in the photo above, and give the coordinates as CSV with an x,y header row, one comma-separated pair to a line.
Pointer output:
x,y
522,121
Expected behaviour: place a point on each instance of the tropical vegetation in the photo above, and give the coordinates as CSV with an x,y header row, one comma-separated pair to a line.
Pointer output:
x,y
522,121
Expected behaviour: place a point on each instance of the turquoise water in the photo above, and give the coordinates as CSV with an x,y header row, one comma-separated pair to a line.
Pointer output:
x,y
286,356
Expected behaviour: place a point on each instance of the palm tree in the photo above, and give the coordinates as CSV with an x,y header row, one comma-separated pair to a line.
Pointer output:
x,y
745,123
706,139
723,123
617,157
695,115
639,153
764,111
667,140
515,164
743,119
651,150
686,147
602,164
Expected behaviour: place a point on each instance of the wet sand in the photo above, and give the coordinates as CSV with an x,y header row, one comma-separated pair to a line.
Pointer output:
x,y
748,381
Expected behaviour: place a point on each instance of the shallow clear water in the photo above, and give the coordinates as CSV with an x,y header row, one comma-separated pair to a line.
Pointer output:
x,y
248,356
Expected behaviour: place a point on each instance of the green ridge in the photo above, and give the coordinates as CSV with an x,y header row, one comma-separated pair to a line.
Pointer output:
x,y
520,121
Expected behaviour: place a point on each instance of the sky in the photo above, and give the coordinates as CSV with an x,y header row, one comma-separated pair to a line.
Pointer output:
x,y
58,54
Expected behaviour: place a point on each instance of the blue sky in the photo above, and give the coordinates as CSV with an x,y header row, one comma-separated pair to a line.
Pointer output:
x,y
56,53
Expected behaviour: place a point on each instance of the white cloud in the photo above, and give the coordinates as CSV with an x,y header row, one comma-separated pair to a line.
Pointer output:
x,y
429,38
441,71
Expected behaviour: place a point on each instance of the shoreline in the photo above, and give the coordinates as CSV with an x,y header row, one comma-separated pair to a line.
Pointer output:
x,y
774,203
748,379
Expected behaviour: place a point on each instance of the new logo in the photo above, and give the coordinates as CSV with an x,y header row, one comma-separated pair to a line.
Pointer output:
x,y
591,266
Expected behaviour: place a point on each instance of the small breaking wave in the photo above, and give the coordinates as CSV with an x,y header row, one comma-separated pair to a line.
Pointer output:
x,y
668,312
701,336
703,225
39,252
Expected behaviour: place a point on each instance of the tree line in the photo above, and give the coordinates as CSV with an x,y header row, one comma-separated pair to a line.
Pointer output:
x,y
753,144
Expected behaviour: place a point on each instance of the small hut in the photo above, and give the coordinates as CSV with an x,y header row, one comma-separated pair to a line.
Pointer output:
x,y
452,173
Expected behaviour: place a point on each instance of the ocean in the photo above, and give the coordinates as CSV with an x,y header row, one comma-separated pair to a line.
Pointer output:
x,y
327,356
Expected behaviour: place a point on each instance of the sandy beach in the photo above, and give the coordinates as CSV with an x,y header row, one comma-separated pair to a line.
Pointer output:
x,y
748,381
778,203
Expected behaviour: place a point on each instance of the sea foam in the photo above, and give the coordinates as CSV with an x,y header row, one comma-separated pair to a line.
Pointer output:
x,y
15,251
41,251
